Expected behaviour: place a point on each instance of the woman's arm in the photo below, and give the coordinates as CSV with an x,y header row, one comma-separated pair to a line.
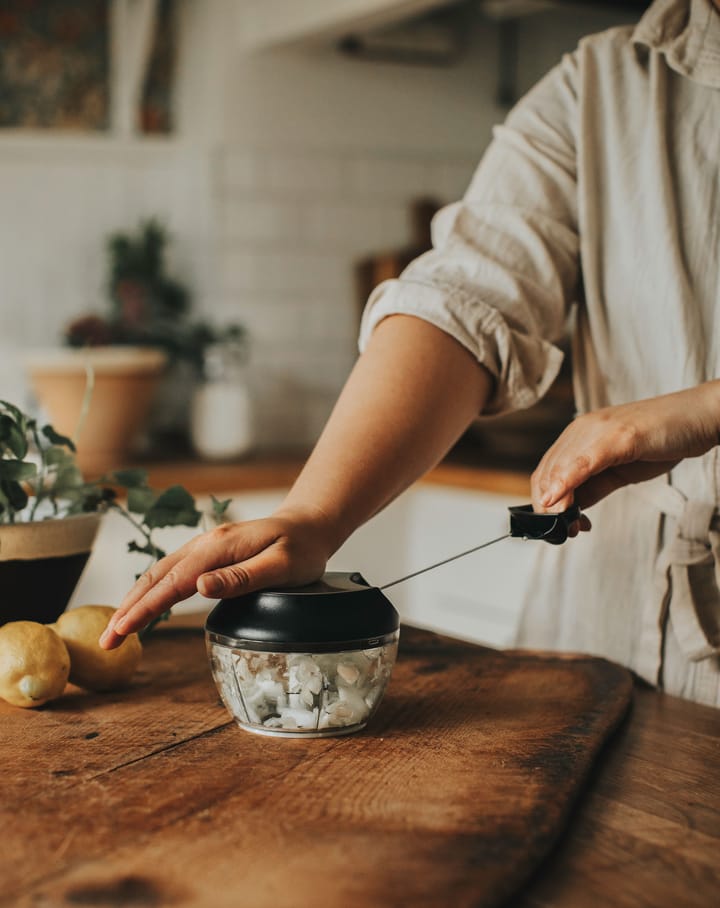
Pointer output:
x,y
617,446
409,398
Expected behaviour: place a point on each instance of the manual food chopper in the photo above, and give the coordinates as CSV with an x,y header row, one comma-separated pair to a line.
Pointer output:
x,y
315,660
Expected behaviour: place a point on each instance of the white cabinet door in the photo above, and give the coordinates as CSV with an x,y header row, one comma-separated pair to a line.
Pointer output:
x,y
477,597
379,549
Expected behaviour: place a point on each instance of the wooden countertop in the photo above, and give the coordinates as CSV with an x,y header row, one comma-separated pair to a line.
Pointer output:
x,y
266,472
154,797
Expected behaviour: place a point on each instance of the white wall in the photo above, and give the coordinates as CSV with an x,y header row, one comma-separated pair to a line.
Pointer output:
x,y
287,167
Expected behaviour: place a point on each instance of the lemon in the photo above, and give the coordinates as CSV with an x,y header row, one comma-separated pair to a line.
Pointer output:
x,y
34,663
91,666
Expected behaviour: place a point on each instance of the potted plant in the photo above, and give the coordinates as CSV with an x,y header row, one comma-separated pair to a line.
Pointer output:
x,y
102,388
49,516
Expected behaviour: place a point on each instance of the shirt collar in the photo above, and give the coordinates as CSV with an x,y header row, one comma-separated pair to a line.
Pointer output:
x,y
687,32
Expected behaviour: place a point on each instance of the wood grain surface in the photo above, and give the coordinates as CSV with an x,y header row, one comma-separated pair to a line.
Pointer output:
x,y
265,473
451,797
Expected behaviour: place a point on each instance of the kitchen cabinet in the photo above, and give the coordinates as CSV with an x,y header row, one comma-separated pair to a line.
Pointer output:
x,y
478,597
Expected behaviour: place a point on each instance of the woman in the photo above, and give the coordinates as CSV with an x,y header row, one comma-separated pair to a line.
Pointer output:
x,y
597,196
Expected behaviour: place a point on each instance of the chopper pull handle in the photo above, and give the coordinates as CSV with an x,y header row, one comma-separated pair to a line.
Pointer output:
x,y
552,528
524,522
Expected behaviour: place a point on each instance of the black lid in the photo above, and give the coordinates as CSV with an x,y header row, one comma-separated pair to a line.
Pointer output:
x,y
337,608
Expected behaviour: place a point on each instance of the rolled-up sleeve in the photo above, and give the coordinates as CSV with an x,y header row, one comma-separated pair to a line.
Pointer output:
x,y
504,270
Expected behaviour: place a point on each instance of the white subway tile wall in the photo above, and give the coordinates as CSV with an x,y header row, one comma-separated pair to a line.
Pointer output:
x,y
268,239
290,231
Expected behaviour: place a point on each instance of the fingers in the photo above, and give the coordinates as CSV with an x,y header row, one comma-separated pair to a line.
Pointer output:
x,y
583,525
271,567
263,570
589,446
559,474
111,638
171,580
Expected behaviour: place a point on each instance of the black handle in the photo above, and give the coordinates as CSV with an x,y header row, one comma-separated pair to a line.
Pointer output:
x,y
552,528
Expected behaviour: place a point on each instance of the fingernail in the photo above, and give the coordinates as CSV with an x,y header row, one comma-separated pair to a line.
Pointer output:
x,y
104,637
213,585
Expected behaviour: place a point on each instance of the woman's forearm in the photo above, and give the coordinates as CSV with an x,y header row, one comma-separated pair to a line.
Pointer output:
x,y
409,398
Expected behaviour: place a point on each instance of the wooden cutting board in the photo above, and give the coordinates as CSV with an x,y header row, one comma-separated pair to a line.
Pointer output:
x,y
452,796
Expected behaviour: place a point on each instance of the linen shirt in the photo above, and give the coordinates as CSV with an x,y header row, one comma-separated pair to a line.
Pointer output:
x,y
599,195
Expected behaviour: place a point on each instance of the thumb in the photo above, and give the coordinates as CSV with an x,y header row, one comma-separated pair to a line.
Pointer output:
x,y
271,568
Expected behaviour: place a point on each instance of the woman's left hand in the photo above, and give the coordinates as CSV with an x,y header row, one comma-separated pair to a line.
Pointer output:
x,y
617,446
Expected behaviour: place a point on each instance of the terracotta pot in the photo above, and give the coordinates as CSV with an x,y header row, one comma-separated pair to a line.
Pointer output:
x,y
40,565
125,381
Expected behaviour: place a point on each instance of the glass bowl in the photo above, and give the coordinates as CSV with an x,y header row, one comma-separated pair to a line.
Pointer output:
x,y
306,662
302,694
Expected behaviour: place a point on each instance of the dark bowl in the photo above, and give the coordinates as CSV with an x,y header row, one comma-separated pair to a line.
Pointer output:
x,y
40,565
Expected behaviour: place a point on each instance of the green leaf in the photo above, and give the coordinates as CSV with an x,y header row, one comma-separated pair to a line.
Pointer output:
x,y
72,507
140,500
67,479
82,498
150,627
219,508
56,438
14,494
17,470
57,456
12,436
147,549
129,479
174,507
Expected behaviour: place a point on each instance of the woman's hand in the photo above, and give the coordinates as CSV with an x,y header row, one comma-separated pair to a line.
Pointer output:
x,y
616,446
287,549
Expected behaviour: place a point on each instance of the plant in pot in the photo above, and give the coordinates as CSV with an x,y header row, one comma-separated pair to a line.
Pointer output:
x,y
121,356
49,516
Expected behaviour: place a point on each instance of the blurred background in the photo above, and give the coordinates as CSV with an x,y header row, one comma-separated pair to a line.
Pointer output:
x,y
288,152
197,196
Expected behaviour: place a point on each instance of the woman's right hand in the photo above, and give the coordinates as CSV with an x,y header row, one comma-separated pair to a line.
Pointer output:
x,y
607,449
288,549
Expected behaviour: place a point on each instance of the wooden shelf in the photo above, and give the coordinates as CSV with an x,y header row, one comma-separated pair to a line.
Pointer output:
x,y
479,479
272,471
204,478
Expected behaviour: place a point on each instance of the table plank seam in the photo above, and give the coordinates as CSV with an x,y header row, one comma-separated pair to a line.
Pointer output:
x,y
209,732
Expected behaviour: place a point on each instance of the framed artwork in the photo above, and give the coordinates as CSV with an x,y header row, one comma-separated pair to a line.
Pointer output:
x,y
55,65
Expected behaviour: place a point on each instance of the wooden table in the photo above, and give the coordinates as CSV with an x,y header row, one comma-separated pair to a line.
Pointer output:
x,y
154,797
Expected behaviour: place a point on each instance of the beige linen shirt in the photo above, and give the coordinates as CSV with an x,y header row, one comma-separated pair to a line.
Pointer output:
x,y
600,194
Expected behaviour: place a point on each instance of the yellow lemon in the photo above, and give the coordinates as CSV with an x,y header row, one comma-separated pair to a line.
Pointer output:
x,y
34,663
91,666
